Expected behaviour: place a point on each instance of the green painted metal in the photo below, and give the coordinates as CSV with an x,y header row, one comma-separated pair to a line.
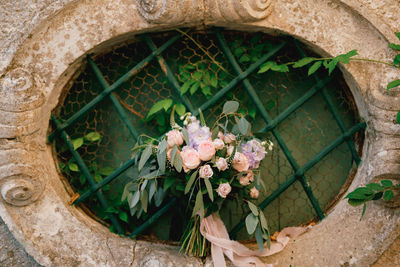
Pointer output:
x,y
85,171
153,219
167,71
115,85
300,172
242,76
238,78
334,112
117,105
268,120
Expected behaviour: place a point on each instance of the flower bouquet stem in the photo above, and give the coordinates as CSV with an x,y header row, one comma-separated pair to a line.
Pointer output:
x,y
192,241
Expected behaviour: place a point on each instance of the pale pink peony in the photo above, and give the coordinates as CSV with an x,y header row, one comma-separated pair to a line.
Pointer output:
x,y
244,180
206,171
221,163
174,137
190,158
254,193
229,138
240,162
206,150
219,144
224,189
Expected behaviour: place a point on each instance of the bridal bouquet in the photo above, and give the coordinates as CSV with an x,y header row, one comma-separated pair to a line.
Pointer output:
x,y
201,167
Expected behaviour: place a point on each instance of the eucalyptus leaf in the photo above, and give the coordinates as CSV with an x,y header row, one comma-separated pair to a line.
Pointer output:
x,y
161,160
152,189
144,199
162,146
251,223
243,126
178,162
198,205
259,238
145,156
253,208
173,153
209,189
185,136
230,107
191,181
263,222
135,199
159,197
144,184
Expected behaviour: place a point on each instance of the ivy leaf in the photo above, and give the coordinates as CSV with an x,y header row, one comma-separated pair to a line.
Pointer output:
x,y
363,211
253,208
238,51
266,66
398,35
355,202
360,193
245,58
375,187
252,111
191,181
314,67
230,107
302,62
161,120
280,68
162,104
394,46
197,75
214,82
194,87
393,84
332,65
387,183
396,60
388,195
398,117
123,216
206,90
106,171
145,156
209,189
93,136
77,143
251,223
185,87
180,109
73,167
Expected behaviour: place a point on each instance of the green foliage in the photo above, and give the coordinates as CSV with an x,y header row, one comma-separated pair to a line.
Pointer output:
x,y
257,223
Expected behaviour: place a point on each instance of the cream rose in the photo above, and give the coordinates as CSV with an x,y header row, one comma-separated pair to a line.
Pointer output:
x,y
244,180
224,189
190,158
240,162
254,193
206,171
174,137
221,164
219,144
229,138
206,150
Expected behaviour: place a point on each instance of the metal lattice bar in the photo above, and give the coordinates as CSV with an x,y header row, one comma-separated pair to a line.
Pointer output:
x,y
114,86
170,76
120,110
337,142
334,112
268,120
217,96
294,106
86,173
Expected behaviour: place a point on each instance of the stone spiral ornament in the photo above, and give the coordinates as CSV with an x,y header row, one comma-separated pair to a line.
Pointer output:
x,y
20,190
164,11
240,10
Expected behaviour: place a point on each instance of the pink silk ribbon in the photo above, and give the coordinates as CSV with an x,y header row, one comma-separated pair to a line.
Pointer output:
x,y
213,229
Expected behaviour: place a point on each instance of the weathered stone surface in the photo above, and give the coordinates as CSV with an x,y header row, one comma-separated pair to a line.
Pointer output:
x,y
41,45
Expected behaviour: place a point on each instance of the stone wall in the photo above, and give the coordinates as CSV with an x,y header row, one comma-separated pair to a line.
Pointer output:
x,y
42,43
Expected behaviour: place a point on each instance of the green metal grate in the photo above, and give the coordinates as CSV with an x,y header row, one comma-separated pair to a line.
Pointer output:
x,y
142,84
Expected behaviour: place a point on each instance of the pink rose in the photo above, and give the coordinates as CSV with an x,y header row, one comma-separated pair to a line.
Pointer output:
x,y
250,176
229,138
206,171
224,189
174,137
221,163
244,180
230,150
254,193
240,162
206,150
221,135
219,144
190,158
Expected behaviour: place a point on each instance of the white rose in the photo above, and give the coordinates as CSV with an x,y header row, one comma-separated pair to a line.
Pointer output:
x,y
224,189
219,144
254,193
221,163
229,138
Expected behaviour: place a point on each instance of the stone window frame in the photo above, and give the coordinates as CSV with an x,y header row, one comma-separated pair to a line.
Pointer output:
x,y
35,204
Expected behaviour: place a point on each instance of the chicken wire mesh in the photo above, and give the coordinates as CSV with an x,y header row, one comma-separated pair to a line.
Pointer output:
x,y
305,132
